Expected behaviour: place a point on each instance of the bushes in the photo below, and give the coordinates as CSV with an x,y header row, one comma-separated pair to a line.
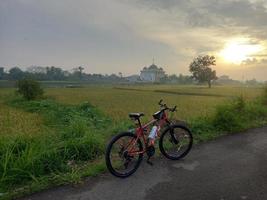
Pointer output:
x,y
29,89
84,148
240,114
228,117
231,117
77,136
203,129
68,116
265,96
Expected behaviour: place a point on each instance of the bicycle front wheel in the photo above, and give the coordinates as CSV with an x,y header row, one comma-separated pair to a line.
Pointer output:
x,y
124,154
176,142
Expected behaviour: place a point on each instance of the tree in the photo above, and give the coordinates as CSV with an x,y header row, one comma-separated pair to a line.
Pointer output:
x,y
2,72
54,73
185,79
201,71
16,73
29,89
36,69
252,82
78,73
80,68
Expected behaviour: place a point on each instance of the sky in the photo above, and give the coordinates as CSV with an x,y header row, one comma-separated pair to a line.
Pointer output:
x,y
112,36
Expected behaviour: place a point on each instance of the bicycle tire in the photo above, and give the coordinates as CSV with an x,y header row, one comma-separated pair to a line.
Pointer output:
x,y
109,165
166,132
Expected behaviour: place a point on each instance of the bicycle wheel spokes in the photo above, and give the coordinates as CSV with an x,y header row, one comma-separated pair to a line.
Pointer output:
x,y
176,142
122,156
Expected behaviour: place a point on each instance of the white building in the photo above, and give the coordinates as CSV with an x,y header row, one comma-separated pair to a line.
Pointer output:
x,y
153,73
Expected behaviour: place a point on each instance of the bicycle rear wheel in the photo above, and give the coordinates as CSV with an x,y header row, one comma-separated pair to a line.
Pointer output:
x,y
176,142
122,157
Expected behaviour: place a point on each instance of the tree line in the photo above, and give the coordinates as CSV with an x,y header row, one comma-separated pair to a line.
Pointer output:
x,y
53,73
77,74
200,69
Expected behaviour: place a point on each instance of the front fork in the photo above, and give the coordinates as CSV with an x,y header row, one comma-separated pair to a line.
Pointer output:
x,y
173,139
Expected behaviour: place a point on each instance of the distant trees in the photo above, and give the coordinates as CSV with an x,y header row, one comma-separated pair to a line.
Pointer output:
x,y
252,82
80,68
16,73
181,79
78,73
81,71
226,80
54,73
184,79
265,93
201,71
2,73
36,69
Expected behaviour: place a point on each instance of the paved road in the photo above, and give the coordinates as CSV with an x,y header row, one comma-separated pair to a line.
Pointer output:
x,y
232,167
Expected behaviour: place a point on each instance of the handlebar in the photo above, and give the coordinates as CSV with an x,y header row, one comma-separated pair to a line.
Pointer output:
x,y
165,107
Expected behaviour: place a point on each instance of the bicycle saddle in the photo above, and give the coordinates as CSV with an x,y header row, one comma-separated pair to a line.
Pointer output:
x,y
136,115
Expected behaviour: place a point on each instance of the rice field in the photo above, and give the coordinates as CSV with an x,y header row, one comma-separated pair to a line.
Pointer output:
x,y
117,101
14,121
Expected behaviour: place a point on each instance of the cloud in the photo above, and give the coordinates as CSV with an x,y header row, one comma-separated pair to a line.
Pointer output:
x,y
214,12
254,61
250,61
227,17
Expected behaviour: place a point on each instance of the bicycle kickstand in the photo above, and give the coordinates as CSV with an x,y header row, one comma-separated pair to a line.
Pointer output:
x,y
148,161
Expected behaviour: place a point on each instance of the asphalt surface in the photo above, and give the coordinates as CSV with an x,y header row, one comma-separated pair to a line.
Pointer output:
x,y
231,167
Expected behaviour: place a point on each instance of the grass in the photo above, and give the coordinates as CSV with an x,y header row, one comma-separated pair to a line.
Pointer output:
x,y
62,138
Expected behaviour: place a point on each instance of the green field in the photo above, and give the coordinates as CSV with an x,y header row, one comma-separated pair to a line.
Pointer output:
x,y
39,139
118,101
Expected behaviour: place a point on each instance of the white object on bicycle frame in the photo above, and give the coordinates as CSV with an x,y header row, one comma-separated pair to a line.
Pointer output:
x,y
153,132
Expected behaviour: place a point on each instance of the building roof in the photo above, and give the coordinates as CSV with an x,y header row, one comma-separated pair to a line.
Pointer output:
x,y
153,67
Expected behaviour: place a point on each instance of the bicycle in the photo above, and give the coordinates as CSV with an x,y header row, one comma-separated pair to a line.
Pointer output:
x,y
125,151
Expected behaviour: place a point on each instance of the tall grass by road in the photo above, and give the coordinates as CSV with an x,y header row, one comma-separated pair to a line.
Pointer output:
x,y
75,135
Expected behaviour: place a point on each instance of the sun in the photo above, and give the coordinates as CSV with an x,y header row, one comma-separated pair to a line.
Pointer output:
x,y
238,50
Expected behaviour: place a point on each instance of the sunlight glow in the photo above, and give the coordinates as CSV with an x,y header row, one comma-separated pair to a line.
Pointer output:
x,y
238,50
